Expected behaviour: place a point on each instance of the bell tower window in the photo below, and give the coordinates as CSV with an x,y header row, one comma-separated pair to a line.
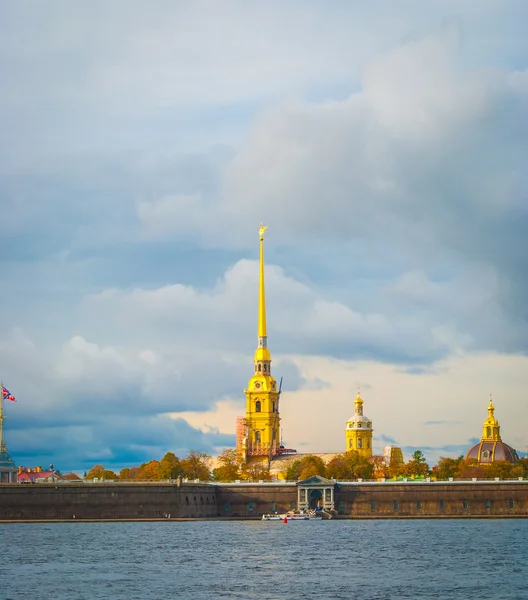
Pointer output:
x,y
260,367
360,442
257,436
257,406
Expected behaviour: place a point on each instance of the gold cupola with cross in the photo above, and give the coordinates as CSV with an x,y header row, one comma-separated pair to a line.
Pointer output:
x,y
358,430
491,448
258,435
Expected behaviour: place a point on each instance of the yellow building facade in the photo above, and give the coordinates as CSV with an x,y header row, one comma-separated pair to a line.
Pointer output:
x,y
258,434
359,430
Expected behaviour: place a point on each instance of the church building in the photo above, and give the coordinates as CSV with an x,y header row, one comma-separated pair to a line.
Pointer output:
x,y
491,448
258,433
359,431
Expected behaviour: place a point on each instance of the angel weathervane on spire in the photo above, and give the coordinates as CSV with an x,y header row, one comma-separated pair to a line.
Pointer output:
x,y
261,231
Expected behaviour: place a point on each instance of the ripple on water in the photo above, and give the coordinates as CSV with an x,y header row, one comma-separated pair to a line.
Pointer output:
x,y
364,560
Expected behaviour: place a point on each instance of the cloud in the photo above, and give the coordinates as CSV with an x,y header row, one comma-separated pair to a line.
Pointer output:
x,y
142,149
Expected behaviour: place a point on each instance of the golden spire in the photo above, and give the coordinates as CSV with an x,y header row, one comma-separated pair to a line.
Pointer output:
x,y
262,352
491,429
262,295
358,403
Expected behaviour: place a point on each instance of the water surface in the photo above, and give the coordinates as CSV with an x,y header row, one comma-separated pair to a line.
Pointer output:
x,y
360,560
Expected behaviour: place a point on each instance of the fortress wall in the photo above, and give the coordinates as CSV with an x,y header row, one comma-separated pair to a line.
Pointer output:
x,y
242,500
106,501
478,499
352,500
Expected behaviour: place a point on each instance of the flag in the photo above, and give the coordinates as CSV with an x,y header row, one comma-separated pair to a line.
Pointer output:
x,y
7,395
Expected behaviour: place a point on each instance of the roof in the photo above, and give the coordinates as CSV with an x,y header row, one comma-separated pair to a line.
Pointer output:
x,y
492,451
316,480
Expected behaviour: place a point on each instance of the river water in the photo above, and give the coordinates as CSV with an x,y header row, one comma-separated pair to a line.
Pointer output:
x,y
359,560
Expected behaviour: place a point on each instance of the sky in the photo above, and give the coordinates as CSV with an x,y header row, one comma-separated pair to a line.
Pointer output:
x,y
383,144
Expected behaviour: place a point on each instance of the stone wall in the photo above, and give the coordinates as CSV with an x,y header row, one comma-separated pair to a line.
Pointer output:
x,y
193,500
106,501
439,499
253,500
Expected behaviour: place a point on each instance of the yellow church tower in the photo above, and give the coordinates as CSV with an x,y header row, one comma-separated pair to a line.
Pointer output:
x,y
359,430
258,435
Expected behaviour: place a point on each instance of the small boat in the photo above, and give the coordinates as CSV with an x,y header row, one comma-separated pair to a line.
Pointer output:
x,y
293,516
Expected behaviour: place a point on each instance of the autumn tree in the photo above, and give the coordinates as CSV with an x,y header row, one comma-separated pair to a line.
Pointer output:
x,y
255,472
380,467
71,477
170,466
350,465
305,467
417,466
471,468
96,472
448,467
129,473
229,466
149,471
196,466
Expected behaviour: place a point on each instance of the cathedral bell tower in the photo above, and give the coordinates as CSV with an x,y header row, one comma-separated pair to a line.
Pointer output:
x,y
258,435
359,430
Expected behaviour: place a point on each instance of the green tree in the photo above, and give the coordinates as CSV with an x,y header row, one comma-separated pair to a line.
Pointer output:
x,y
96,472
170,466
196,466
229,466
417,466
447,467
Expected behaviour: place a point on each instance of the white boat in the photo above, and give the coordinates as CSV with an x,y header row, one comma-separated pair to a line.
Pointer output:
x,y
293,516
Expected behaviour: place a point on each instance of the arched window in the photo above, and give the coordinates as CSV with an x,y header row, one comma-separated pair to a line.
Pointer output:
x,y
488,431
257,406
368,443
360,442
260,367
351,443
257,436
273,405
265,368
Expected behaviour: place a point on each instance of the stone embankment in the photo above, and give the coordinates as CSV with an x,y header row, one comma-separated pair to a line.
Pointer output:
x,y
146,501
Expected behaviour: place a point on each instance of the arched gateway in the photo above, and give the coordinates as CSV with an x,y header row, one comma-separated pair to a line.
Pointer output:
x,y
315,491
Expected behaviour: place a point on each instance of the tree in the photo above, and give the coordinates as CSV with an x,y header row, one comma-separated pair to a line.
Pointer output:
x,y
471,468
170,466
96,472
417,466
448,467
149,471
305,467
350,465
228,469
196,466
71,477
129,473
255,472
107,474
380,467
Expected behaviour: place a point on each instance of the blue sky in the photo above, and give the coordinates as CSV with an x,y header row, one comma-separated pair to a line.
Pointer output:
x,y
142,144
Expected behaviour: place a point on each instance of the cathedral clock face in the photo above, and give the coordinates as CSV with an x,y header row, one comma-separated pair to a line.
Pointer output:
x,y
257,385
